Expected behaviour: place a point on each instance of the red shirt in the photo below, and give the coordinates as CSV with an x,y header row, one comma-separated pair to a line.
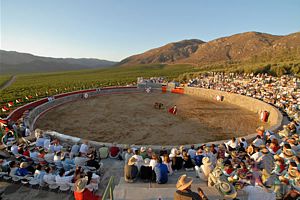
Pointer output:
x,y
86,195
114,151
26,153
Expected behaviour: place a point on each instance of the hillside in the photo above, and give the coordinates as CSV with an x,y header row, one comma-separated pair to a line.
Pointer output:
x,y
169,53
249,47
15,62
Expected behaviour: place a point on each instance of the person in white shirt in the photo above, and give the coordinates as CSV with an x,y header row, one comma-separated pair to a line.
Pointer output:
x,y
49,177
57,159
256,155
84,148
232,144
139,159
14,149
192,152
258,141
13,168
61,179
243,140
40,141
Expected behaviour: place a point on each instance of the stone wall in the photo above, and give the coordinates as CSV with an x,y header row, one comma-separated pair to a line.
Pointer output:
x,y
254,105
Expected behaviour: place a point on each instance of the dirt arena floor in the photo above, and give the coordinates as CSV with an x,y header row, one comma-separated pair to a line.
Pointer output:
x,y
132,119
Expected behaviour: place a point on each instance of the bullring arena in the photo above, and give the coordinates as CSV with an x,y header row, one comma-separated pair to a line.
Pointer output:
x,y
132,119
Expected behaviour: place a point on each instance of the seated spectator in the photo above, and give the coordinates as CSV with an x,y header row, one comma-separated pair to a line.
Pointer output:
x,y
57,159
187,161
128,155
161,172
22,170
74,150
15,149
13,167
39,173
80,160
34,153
49,177
62,179
198,158
49,156
184,191
81,192
192,152
130,170
84,148
258,141
139,159
167,161
177,161
143,152
154,161
146,170
203,171
66,161
103,152
232,144
114,151
92,162
40,141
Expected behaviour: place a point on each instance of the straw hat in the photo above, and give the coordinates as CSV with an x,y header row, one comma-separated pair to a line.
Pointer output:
x,y
79,185
293,173
24,165
206,161
132,161
184,182
226,189
288,153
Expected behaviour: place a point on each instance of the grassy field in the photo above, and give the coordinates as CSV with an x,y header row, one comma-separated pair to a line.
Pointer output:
x,y
4,79
41,85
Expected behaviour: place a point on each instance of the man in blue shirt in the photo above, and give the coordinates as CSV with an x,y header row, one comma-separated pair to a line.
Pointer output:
x,y
161,172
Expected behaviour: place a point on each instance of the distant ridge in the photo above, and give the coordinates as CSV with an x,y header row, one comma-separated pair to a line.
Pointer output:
x,y
15,62
253,47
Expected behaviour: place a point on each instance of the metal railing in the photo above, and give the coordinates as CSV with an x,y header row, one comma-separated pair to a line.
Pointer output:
x,y
109,190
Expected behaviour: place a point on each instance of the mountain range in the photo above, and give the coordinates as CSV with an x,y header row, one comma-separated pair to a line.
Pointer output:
x,y
250,47
242,48
15,62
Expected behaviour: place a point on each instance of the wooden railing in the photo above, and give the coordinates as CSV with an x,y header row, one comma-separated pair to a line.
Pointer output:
x,y
109,190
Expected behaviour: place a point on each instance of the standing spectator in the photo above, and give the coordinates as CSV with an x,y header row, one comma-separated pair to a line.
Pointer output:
x,y
81,192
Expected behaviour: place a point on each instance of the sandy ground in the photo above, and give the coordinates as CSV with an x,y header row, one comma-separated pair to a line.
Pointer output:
x,y
132,119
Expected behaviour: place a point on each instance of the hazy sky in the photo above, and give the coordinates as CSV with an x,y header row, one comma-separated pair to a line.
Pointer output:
x,y
115,29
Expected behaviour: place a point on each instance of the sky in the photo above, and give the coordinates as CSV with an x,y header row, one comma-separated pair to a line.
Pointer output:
x,y
116,29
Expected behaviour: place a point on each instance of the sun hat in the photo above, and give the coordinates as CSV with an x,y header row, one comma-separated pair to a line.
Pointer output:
x,y
23,165
292,173
143,149
226,189
288,153
132,161
184,182
206,161
79,185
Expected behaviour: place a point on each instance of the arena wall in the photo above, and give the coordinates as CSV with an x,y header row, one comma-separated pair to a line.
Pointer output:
x,y
254,105
42,106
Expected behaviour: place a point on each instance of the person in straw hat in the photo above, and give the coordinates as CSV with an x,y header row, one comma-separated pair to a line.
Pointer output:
x,y
203,171
22,170
131,170
81,192
184,191
226,189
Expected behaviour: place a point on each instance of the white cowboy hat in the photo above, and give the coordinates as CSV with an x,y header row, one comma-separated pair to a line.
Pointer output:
x,y
79,185
206,161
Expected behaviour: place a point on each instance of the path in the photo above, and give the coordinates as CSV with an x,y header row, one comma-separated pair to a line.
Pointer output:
x,y
8,83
